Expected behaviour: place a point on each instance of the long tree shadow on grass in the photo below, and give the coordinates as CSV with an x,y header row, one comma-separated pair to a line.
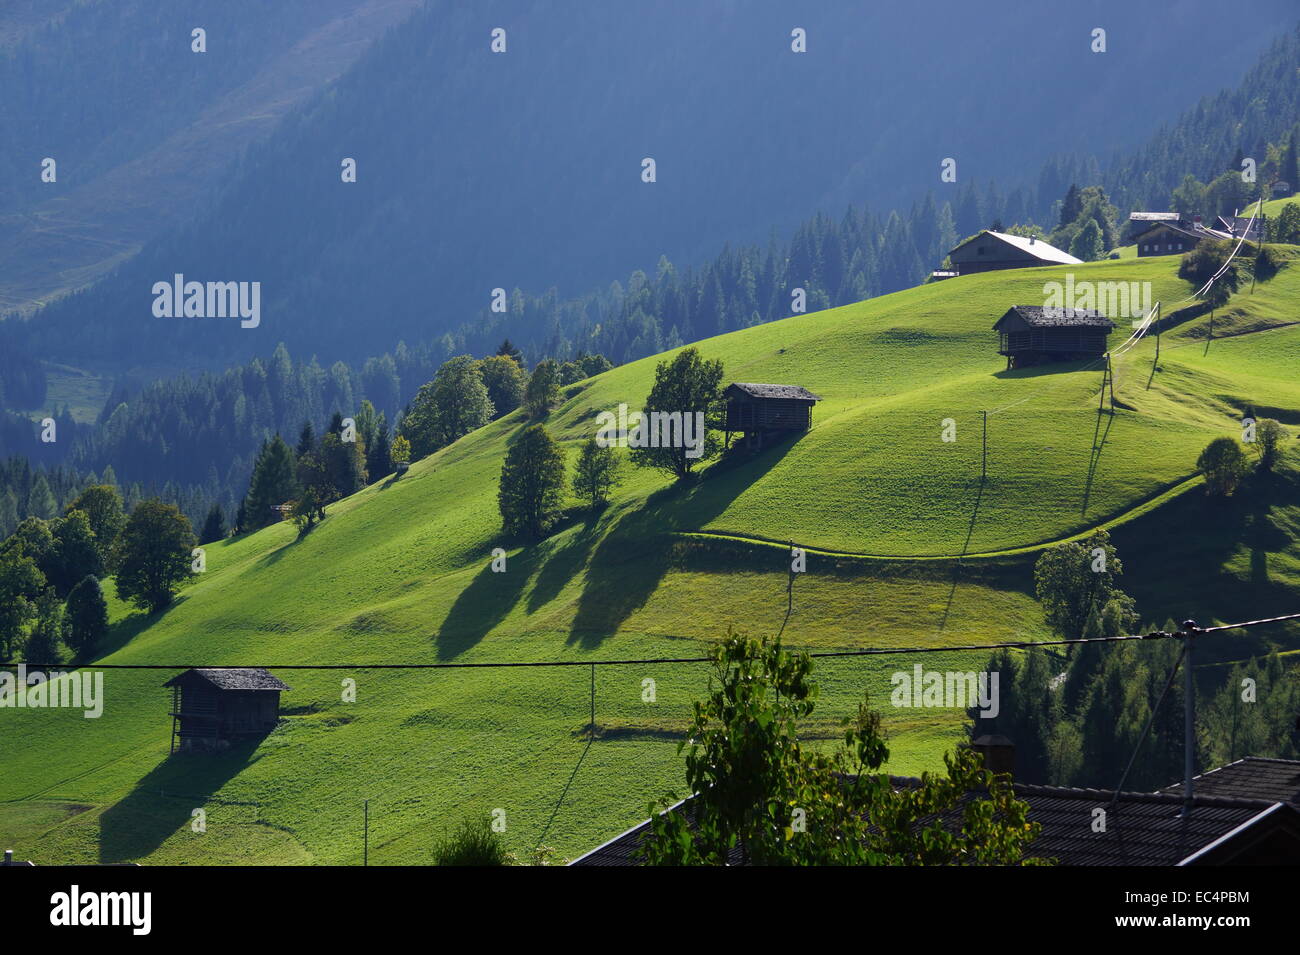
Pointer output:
x,y
491,596
631,559
163,801
483,604
561,563
127,629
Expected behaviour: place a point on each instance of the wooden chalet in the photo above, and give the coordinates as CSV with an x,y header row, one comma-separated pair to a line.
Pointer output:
x,y
215,706
759,410
991,251
1172,235
1033,334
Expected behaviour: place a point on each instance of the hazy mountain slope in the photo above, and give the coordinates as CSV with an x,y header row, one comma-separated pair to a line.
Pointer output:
x,y
142,127
523,169
400,573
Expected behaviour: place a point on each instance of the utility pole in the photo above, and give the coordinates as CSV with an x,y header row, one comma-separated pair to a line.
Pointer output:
x,y
1189,716
1157,333
592,732
789,586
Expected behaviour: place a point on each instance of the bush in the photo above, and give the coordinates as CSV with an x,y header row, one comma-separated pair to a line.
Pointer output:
x,y
474,843
1203,263
1269,435
1267,263
1223,463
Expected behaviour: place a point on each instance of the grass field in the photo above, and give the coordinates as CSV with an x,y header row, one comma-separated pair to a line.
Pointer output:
x,y
1272,208
909,548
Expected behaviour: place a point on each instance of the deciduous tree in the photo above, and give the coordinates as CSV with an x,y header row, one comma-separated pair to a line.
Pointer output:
x,y
154,554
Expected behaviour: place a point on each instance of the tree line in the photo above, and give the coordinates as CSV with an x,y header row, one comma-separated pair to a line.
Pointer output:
x,y
52,603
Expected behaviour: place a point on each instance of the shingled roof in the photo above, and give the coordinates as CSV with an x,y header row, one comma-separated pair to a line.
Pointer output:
x,y
231,678
798,392
1049,317
1140,828
1254,777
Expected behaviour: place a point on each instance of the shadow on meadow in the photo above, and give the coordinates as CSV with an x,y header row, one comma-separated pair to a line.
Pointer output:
x,y
163,801
127,629
622,555
1186,574
631,559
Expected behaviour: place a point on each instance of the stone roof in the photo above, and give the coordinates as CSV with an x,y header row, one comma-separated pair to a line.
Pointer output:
x,y
797,392
231,678
1046,317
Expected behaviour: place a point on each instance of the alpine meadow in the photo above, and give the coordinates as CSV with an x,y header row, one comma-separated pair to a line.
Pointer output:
x,y
366,501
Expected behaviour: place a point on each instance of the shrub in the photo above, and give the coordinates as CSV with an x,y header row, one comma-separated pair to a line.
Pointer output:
x,y
1223,463
474,843
1269,435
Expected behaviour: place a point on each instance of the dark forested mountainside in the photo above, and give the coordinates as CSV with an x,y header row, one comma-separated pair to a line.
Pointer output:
x,y
478,171
116,129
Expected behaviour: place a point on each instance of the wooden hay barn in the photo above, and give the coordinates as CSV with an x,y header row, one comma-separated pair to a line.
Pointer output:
x,y
215,706
1033,335
758,410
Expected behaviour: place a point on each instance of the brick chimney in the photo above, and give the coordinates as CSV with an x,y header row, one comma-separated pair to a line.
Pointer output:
x,y
998,751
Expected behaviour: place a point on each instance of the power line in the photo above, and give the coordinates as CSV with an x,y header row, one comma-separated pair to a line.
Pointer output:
x,y
872,651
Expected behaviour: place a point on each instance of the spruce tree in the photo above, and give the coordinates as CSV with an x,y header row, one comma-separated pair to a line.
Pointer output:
x,y
532,484
40,501
274,482
306,439
87,615
214,525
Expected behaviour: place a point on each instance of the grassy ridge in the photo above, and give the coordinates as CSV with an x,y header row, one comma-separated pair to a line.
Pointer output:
x,y
399,573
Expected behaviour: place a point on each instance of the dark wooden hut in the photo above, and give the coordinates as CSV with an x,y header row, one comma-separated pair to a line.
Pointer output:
x,y
214,706
1032,334
760,410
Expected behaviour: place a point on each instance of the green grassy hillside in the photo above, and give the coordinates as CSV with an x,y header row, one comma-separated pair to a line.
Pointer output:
x,y
908,547
1273,208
